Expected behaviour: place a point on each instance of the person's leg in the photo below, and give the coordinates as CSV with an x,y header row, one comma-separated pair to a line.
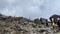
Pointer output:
x,y
53,27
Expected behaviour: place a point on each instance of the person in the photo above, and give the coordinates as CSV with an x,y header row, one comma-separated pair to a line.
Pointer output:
x,y
46,22
53,24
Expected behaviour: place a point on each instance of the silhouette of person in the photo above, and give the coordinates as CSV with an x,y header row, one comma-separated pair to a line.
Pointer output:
x,y
47,22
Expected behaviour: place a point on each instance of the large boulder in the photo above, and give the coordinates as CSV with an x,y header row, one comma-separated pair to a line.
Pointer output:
x,y
43,20
37,21
54,18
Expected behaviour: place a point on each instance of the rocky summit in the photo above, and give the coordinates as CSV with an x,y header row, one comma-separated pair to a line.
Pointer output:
x,y
21,25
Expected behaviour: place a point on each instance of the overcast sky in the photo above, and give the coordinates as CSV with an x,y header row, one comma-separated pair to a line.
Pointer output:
x,y
30,8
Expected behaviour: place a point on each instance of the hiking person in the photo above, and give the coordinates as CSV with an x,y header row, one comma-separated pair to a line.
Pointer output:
x,y
53,24
47,22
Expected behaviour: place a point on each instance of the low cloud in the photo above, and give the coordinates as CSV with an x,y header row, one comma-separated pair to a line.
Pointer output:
x,y
30,8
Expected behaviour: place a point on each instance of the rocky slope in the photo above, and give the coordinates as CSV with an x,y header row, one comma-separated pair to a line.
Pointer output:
x,y
21,25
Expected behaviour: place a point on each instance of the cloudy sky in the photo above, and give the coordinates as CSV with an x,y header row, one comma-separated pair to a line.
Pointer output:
x,y
30,8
